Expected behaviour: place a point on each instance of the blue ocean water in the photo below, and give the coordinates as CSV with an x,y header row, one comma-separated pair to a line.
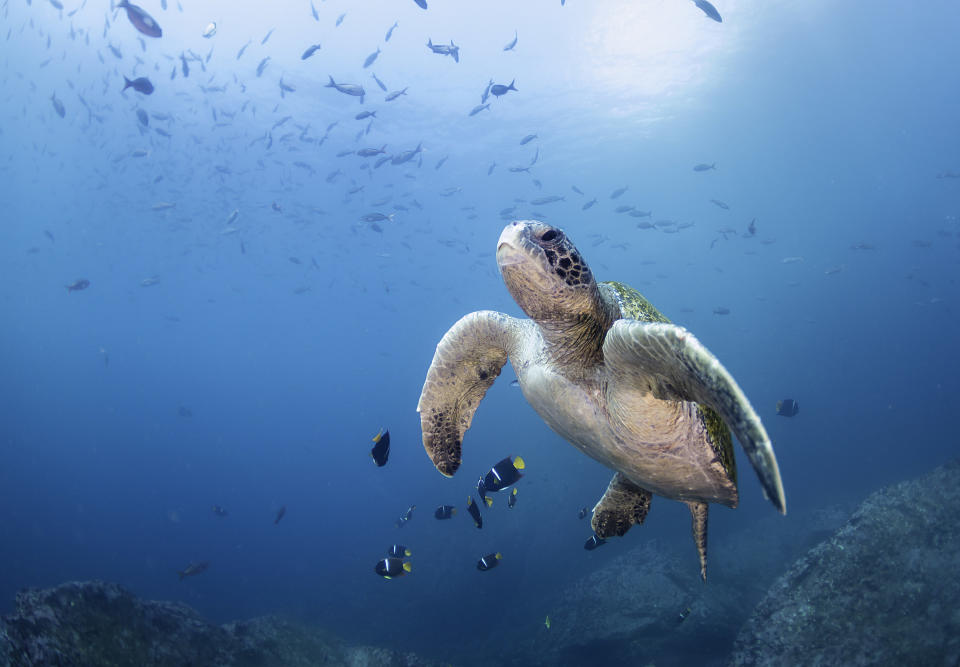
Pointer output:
x,y
274,344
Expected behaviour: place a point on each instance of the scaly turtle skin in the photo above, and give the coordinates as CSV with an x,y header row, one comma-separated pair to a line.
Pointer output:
x,y
609,373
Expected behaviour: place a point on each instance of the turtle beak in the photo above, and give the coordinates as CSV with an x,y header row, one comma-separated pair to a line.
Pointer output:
x,y
509,244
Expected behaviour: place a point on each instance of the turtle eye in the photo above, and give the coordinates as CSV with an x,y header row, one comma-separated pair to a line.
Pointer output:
x,y
550,235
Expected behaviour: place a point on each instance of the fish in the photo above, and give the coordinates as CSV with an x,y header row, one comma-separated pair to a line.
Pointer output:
x,y
377,217
441,161
280,514
511,45
505,473
140,19
381,448
266,37
751,229
262,66
184,412
723,205
394,95
683,615
422,4
56,4
788,407
49,235
78,285
498,90
390,31
474,512
582,513
486,92
193,569
370,152
340,20
451,49
512,499
150,282
640,214
406,516
243,48
709,10
406,156
527,139
58,106
186,68
593,542
365,114
398,551
371,58
492,167
140,84
576,189
547,621
703,166
313,48
219,511
233,216
444,512
477,109
380,83
589,204
388,568
163,205
547,200
347,89
619,191
721,310
489,561
210,30
624,209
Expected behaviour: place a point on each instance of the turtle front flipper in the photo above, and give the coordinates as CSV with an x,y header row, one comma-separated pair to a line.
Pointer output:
x,y
623,505
669,362
468,359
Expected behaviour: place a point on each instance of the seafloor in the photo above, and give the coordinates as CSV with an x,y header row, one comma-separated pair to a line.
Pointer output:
x,y
878,586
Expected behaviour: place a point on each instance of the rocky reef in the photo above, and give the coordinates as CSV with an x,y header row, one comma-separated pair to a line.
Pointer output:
x,y
648,605
98,623
884,590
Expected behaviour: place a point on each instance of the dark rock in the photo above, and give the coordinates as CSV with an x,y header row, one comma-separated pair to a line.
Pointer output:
x,y
882,591
97,623
629,610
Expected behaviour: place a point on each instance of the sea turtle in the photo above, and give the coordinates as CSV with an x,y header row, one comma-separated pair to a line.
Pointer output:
x,y
609,373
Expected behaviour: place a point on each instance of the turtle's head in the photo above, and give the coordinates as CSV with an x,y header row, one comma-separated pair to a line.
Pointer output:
x,y
550,281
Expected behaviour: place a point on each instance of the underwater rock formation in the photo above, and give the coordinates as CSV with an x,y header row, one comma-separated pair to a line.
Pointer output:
x,y
98,623
648,605
882,590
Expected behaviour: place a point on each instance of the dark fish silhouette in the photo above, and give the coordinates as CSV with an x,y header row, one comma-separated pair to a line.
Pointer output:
x,y
140,84
140,19
709,10
788,407
381,448
193,569
280,513
78,285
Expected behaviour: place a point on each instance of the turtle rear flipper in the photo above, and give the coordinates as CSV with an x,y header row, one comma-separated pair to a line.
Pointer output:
x,y
623,505
468,359
668,361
